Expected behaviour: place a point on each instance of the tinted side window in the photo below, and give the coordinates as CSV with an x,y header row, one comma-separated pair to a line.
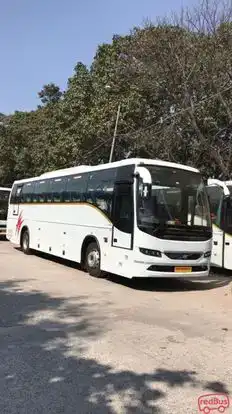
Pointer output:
x,y
40,191
227,216
100,190
13,193
27,193
56,190
17,197
75,188
215,195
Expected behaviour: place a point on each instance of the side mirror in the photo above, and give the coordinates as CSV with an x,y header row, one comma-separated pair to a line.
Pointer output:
x,y
145,186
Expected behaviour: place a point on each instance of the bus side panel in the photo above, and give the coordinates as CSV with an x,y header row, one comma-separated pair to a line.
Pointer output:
x,y
62,229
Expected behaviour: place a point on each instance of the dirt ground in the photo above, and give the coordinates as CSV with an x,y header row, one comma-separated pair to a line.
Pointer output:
x,y
74,344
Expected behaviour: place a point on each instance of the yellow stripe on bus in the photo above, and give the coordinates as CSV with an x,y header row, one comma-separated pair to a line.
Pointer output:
x,y
68,204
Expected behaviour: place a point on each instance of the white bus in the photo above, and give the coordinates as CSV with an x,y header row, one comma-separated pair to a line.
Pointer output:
x,y
134,218
220,198
4,197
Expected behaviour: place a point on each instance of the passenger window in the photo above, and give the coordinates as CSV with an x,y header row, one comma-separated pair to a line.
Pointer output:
x,y
16,193
100,190
49,191
40,191
215,195
13,194
27,193
57,188
16,198
227,210
75,188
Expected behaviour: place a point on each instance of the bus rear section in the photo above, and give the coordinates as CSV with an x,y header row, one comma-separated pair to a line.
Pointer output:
x,y
220,198
4,198
134,218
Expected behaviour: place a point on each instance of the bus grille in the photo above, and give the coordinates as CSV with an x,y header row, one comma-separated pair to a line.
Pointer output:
x,y
183,255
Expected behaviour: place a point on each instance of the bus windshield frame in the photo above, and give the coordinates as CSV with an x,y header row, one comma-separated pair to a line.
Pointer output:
x,y
178,200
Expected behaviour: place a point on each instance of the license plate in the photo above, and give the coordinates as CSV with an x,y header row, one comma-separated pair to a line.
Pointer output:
x,y
183,269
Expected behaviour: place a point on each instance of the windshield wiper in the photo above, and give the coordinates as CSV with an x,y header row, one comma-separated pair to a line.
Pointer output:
x,y
160,227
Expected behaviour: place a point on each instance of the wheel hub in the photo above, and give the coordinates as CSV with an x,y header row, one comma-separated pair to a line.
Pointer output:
x,y
93,259
25,241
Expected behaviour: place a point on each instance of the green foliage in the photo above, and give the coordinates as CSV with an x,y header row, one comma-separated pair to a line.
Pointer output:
x,y
50,94
173,81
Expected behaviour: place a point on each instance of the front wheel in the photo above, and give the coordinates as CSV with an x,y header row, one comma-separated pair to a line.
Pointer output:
x,y
93,260
25,242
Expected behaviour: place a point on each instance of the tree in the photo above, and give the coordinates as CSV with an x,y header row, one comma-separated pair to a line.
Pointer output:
x,y
50,94
173,80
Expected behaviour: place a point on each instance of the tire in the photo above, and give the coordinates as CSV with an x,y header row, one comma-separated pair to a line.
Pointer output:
x,y
93,260
25,242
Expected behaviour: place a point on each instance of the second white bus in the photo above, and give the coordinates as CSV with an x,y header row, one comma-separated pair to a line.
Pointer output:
x,y
220,198
134,218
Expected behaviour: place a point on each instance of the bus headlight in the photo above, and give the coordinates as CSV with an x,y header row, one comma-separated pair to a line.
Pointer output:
x,y
207,254
149,252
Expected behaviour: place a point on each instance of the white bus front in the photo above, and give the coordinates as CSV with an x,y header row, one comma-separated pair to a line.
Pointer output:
x,y
172,232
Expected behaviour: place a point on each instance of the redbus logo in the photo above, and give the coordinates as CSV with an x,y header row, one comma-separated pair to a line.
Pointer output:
x,y
211,402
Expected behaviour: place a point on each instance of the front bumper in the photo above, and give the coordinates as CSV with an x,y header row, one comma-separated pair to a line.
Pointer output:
x,y
153,270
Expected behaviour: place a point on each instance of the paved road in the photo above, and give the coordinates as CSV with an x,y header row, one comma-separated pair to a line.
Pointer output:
x,y
73,344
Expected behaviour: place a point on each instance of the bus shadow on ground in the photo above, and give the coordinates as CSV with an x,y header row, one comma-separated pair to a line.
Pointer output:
x,y
171,284
215,280
41,371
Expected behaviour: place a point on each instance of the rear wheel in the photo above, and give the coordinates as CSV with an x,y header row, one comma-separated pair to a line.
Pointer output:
x,y
25,242
93,260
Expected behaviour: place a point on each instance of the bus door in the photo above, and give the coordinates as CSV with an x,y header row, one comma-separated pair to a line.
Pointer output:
x,y
123,216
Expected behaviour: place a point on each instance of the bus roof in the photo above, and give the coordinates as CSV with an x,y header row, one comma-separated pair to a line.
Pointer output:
x,y
87,168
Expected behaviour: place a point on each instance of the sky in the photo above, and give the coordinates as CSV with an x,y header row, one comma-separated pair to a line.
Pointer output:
x,y
42,40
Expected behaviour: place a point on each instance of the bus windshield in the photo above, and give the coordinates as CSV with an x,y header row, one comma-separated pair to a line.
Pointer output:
x,y
4,196
178,200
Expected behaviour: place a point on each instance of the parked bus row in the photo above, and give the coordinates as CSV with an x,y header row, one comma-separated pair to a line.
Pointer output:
x,y
135,218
